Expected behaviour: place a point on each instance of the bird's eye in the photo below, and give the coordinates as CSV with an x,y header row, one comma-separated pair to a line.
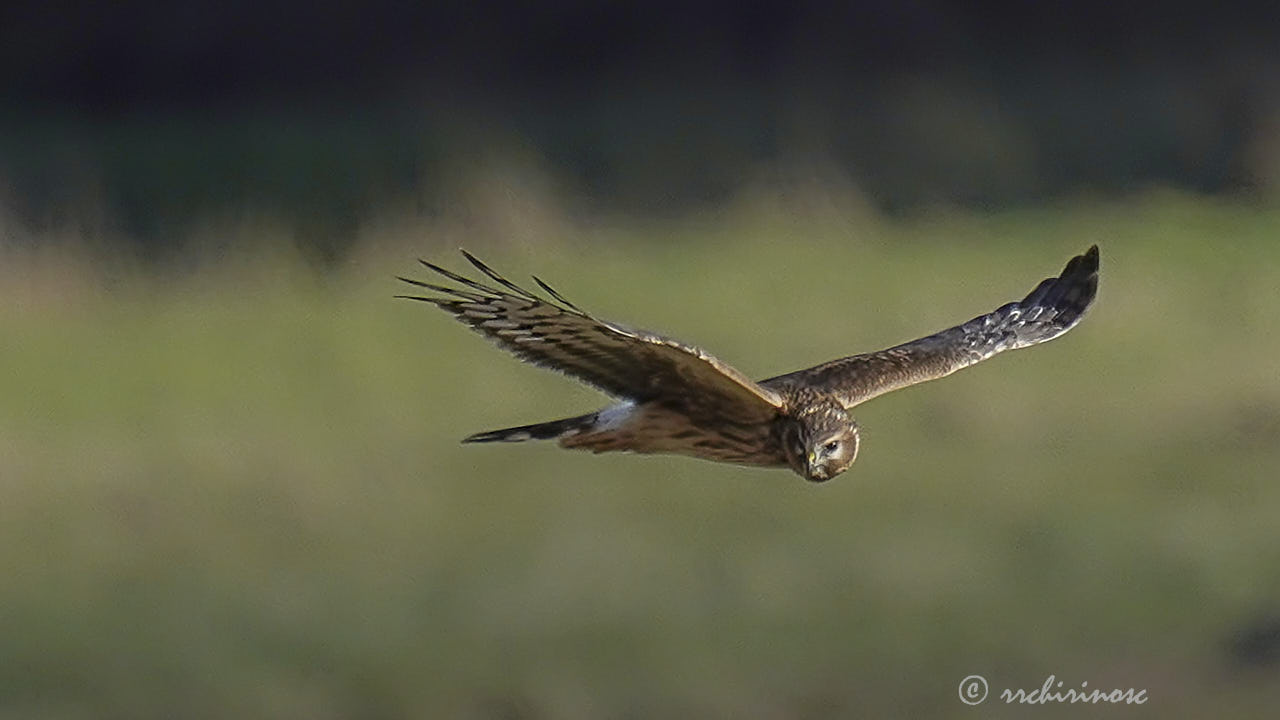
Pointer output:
x,y
831,447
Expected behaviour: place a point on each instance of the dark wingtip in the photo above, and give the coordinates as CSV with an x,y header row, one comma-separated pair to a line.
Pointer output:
x,y
438,302
557,296
492,436
1088,272
493,275
432,266
1085,263
477,262
1091,258
1071,293
411,281
442,271
486,436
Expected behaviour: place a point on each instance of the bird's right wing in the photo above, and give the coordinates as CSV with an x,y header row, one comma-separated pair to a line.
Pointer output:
x,y
626,363
1053,308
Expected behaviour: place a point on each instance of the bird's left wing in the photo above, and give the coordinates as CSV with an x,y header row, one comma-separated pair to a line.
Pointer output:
x,y
626,363
1053,308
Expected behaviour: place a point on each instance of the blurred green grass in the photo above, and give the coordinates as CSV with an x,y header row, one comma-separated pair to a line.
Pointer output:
x,y
240,493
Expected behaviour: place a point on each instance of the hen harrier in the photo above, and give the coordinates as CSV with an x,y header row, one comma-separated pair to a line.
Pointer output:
x,y
677,398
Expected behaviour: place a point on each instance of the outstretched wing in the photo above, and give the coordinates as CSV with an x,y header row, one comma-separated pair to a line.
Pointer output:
x,y
1053,308
631,364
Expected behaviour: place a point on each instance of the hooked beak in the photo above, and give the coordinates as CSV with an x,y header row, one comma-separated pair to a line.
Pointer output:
x,y
813,472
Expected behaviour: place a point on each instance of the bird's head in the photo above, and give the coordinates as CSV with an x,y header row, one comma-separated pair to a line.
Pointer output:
x,y
821,442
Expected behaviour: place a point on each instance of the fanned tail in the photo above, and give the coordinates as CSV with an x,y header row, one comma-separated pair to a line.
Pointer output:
x,y
539,431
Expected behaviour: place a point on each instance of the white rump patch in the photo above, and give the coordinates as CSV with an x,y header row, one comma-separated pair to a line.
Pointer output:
x,y
614,416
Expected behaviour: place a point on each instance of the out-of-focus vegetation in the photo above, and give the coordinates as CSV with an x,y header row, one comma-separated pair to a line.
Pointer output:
x,y
141,120
237,491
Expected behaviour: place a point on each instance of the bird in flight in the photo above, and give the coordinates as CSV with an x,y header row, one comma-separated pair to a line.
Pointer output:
x,y
677,398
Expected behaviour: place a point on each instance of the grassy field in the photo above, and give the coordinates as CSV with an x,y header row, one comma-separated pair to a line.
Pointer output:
x,y
239,493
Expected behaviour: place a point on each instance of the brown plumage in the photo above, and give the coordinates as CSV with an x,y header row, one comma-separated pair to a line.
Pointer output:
x,y
677,398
